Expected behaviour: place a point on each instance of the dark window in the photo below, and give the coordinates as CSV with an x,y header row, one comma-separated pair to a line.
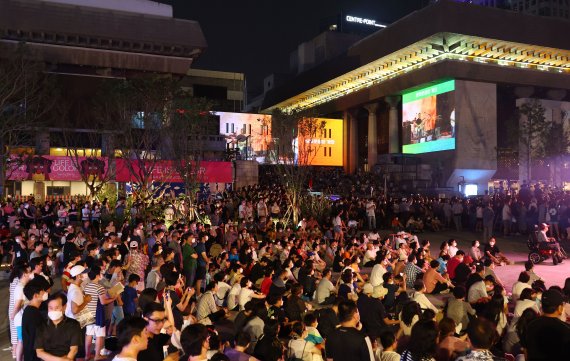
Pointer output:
x,y
210,91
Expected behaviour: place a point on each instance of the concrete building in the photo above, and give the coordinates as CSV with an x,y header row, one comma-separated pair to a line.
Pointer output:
x,y
87,42
227,90
463,66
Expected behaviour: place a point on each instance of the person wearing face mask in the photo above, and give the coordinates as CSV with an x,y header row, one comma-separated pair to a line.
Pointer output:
x,y
98,297
348,342
77,299
189,258
36,291
59,337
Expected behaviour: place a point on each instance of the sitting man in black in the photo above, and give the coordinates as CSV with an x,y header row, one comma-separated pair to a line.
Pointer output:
x,y
60,336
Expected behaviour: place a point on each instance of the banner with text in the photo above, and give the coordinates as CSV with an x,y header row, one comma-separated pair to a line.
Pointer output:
x,y
166,171
51,168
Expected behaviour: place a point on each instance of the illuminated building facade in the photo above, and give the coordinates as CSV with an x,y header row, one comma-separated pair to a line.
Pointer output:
x,y
465,64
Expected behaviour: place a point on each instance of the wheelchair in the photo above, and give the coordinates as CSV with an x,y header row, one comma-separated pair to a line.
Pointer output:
x,y
538,253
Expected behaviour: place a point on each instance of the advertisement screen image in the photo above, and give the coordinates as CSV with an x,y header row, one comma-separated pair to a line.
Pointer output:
x,y
428,119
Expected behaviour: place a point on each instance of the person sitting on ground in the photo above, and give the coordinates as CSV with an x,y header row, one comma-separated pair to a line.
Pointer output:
x,y
434,282
419,296
482,336
389,345
493,252
458,309
475,251
520,285
450,346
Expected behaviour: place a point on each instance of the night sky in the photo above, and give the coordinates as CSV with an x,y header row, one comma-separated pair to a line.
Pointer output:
x,y
256,36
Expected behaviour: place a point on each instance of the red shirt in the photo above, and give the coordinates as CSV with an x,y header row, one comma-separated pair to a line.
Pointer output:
x,y
451,266
266,285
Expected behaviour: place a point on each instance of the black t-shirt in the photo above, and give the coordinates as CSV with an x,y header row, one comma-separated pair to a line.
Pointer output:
x,y
154,350
176,313
548,338
349,344
492,250
391,295
328,320
32,320
57,340
374,311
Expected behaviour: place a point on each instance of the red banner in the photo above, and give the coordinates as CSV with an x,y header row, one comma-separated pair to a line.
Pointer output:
x,y
165,171
46,168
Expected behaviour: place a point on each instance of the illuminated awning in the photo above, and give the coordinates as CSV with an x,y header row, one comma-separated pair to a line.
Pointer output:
x,y
437,48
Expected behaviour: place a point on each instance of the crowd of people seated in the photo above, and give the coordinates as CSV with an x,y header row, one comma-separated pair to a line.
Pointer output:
x,y
94,281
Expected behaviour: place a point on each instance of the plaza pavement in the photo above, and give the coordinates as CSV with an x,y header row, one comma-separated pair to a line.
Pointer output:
x,y
514,248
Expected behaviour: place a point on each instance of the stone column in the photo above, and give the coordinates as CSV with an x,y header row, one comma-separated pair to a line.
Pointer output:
x,y
372,135
393,124
350,153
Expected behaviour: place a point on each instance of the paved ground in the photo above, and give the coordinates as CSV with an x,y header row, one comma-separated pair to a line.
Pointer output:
x,y
513,247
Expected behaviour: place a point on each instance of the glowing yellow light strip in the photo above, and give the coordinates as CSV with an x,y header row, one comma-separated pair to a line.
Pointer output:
x,y
416,56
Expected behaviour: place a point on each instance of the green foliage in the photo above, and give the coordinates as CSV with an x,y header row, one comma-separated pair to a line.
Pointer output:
x,y
534,130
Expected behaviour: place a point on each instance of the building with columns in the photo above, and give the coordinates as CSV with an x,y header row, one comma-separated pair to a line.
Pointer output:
x,y
455,72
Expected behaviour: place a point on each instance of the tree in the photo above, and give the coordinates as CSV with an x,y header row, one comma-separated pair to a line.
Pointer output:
x,y
25,97
297,139
187,132
533,127
138,111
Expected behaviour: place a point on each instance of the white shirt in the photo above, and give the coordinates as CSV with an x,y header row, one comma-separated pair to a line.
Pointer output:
x,y
245,295
518,287
423,301
19,296
233,296
369,255
523,305
376,275
74,294
324,290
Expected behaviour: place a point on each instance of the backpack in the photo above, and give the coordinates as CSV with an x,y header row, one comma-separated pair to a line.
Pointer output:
x,y
292,357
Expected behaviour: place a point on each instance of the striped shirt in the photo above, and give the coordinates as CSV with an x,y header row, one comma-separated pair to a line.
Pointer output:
x,y
94,290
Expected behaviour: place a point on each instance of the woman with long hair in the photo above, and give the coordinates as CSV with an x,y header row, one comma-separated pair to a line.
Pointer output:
x,y
496,311
423,342
18,278
268,347
513,336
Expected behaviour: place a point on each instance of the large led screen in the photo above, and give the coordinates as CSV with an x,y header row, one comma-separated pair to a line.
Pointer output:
x,y
250,134
428,119
324,148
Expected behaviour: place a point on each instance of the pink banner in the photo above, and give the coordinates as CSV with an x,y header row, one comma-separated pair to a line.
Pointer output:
x,y
46,168
165,171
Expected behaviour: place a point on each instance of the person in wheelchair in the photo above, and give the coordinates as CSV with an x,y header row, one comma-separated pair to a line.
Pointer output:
x,y
546,242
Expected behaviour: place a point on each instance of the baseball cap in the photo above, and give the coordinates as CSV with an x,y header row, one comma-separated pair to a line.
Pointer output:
x,y
367,289
552,298
77,270
134,244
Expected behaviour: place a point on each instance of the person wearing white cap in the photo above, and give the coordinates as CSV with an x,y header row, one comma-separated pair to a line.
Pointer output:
x,y
376,318
137,263
548,242
76,299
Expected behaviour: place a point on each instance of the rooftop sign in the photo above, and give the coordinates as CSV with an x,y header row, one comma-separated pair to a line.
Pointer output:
x,y
363,21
